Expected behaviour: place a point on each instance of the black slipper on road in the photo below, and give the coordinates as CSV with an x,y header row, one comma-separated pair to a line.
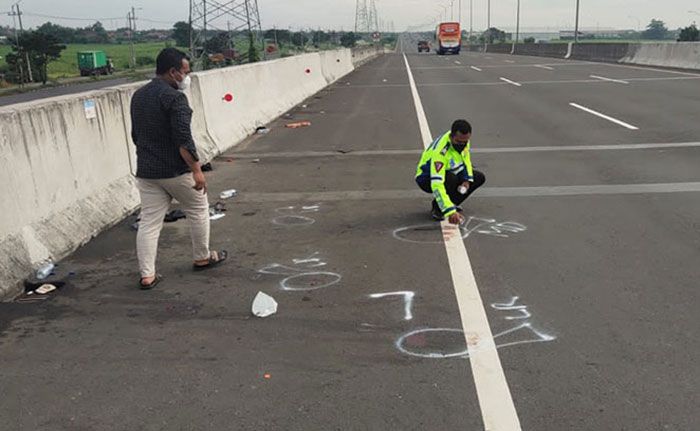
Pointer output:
x,y
152,284
220,258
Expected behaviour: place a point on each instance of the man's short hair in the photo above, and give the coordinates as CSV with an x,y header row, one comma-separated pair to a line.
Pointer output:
x,y
461,126
169,58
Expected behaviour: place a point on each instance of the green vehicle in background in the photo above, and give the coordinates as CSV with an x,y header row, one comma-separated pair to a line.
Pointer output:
x,y
92,63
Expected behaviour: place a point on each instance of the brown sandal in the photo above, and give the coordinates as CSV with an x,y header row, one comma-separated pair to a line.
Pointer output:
x,y
221,256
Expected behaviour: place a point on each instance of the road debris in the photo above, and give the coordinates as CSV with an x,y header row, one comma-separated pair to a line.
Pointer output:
x,y
262,130
264,305
45,270
298,124
228,194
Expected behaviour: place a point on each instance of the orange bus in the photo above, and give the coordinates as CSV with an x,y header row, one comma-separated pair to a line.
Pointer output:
x,y
448,38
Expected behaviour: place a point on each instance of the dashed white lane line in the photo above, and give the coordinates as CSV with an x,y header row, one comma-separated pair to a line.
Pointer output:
x,y
495,400
542,66
517,84
606,117
602,78
509,61
475,68
458,62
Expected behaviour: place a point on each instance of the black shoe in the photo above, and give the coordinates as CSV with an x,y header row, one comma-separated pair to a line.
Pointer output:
x,y
460,210
436,214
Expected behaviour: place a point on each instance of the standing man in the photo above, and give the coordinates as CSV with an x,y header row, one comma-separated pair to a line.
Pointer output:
x,y
445,170
168,165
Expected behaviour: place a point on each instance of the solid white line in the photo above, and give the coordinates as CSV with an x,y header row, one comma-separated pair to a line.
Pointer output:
x,y
367,153
476,68
542,66
510,82
607,117
496,403
602,78
486,192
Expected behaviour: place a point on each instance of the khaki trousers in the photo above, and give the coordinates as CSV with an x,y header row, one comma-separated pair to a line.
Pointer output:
x,y
156,196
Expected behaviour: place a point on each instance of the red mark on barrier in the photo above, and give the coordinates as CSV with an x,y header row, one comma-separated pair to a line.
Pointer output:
x,y
308,71
228,97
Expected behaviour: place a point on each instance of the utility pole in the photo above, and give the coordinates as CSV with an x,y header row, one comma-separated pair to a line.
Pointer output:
x,y
488,17
577,15
18,13
471,20
517,28
19,64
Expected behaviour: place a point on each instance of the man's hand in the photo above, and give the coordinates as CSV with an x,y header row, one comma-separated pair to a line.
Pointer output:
x,y
456,218
200,183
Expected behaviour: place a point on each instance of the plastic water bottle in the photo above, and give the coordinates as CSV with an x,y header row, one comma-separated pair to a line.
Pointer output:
x,y
45,270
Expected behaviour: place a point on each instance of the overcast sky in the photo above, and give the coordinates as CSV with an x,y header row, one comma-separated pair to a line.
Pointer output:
x,y
536,14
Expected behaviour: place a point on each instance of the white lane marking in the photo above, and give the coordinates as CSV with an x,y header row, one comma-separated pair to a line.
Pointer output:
x,y
510,82
542,66
363,153
495,400
602,78
475,68
509,61
458,62
407,299
486,192
470,84
649,69
606,117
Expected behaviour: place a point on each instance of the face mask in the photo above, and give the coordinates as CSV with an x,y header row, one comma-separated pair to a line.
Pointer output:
x,y
459,147
185,83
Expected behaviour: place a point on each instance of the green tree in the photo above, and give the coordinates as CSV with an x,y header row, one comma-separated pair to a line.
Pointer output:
x,y
493,35
529,40
218,43
656,30
348,40
181,34
689,34
299,39
41,48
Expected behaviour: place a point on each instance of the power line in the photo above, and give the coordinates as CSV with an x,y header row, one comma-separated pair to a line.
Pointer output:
x,y
67,18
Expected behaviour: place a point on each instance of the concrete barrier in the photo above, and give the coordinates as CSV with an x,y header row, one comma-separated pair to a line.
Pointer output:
x,y
602,52
362,55
67,163
554,50
65,177
680,55
261,92
499,48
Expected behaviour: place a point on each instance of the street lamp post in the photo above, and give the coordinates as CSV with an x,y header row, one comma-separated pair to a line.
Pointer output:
x,y
517,28
471,20
488,15
577,16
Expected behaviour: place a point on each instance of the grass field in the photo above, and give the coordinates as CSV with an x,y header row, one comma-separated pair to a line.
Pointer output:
x,y
67,65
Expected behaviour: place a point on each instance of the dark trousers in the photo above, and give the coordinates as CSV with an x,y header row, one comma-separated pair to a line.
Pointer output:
x,y
452,183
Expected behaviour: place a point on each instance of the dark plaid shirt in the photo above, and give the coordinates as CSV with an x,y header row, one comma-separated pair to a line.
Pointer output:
x,y
160,125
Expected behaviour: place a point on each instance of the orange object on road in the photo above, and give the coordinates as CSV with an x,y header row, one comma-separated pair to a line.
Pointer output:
x,y
298,125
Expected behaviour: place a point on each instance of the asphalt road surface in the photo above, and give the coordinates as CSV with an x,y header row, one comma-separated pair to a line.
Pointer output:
x,y
43,93
584,253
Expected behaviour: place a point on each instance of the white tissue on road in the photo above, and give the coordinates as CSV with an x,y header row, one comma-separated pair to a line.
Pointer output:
x,y
264,305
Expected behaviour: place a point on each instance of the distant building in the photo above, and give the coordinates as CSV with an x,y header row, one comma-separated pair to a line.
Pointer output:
x,y
4,40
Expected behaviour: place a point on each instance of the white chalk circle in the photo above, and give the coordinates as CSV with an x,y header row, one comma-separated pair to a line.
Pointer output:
x,y
293,220
310,281
447,343
423,233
